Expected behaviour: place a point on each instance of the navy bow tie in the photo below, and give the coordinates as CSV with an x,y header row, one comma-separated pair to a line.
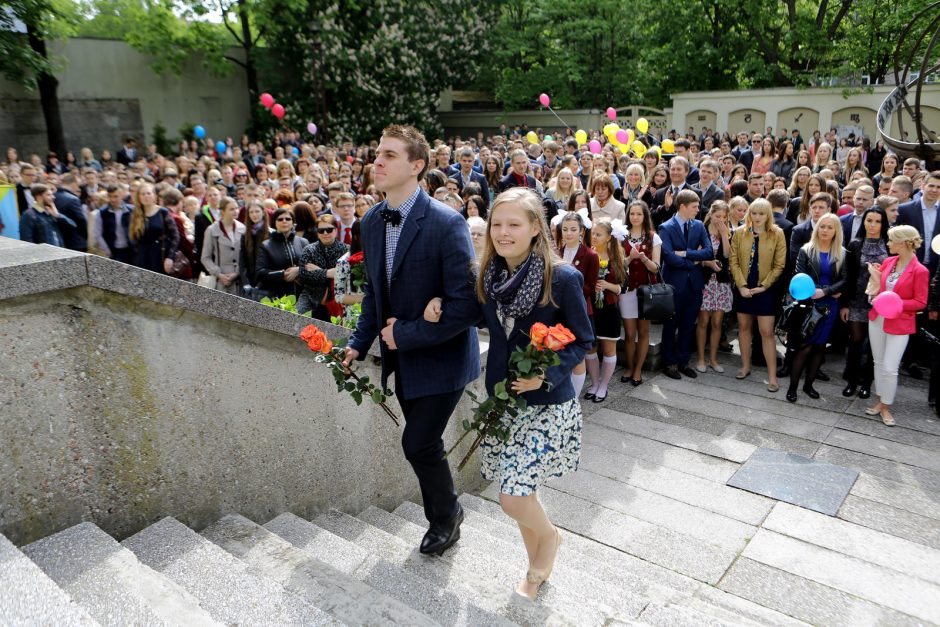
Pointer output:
x,y
391,216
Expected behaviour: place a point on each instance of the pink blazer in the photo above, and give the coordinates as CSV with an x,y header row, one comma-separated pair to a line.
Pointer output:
x,y
912,287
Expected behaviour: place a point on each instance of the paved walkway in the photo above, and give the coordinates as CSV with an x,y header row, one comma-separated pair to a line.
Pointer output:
x,y
652,484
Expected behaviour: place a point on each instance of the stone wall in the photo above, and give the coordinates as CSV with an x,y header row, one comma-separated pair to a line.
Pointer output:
x,y
127,396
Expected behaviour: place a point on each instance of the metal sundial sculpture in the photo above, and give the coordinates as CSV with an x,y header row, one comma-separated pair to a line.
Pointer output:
x,y
927,144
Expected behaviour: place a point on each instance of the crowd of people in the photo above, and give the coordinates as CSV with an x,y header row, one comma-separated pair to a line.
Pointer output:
x,y
726,220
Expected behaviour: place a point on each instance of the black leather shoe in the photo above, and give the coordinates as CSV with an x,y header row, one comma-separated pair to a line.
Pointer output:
x,y
636,382
791,395
822,376
442,536
599,399
689,372
588,396
672,372
849,390
864,393
810,391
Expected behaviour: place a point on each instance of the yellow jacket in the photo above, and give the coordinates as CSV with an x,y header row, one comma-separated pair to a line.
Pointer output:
x,y
772,256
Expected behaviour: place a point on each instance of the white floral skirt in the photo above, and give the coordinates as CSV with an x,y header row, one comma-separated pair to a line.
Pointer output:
x,y
544,443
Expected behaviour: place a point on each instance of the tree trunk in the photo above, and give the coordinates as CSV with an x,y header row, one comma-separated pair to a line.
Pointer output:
x,y
48,98
251,73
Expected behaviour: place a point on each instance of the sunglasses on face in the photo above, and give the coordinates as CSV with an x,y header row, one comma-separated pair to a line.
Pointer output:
x,y
285,219
325,230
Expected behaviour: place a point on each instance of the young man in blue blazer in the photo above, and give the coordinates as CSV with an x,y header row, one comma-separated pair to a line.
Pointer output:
x,y
416,249
685,247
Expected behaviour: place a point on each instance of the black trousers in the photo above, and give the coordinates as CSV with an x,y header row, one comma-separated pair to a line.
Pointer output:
x,y
425,420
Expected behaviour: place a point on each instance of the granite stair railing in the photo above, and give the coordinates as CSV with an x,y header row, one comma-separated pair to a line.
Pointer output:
x,y
344,570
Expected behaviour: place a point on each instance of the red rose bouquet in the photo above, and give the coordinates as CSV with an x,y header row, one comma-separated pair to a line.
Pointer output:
x,y
333,354
357,271
490,415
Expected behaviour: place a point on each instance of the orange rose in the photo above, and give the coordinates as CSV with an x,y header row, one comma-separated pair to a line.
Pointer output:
x,y
327,347
309,331
558,337
538,333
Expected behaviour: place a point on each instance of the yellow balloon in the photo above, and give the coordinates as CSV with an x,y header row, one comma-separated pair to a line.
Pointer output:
x,y
532,137
638,148
630,136
642,125
581,137
611,129
669,146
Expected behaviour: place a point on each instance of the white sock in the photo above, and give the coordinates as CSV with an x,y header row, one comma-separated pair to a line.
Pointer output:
x,y
577,380
607,371
593,369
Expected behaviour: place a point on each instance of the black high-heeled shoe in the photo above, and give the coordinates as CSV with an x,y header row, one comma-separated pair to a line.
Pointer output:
x,y
850,390
810,391
864,392
791,395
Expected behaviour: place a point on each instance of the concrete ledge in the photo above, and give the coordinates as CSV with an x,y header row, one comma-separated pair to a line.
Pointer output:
x,y
129,396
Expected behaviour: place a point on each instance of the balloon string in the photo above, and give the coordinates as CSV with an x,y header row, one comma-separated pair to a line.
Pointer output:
x,y
560,120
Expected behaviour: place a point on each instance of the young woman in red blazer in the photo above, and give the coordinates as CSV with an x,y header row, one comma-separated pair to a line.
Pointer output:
x,y
904,275
570,231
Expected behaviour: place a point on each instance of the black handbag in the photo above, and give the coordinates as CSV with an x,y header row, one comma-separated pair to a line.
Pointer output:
x,y
800,318
656,301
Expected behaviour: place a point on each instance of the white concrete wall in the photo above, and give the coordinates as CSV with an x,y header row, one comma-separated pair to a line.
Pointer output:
x,y
805,109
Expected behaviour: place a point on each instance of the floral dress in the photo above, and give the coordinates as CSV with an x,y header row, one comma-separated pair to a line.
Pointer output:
x,y
717,296
544,443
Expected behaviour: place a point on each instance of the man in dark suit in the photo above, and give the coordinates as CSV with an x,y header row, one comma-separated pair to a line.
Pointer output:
x,y
516,177
420,249
466,175
24,197
128,154
819,205
685,246
67,203
852,222
706,187
664,206
922,214
682,150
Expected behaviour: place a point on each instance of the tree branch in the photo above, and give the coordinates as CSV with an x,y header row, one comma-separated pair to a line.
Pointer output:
x,y
225,11
821,13
235,61
258,38
837,20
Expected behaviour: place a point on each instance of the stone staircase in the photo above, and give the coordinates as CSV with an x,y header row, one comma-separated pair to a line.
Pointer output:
x,y
344,570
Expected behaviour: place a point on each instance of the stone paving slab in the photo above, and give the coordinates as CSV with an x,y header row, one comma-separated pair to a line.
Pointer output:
x,y
29,597
911,412
702,493
755,418
662,413
880,467
787,477
903,496
764,438
677,551
875,583
891,520
731,450
658,453
807,600
877,447
719,388
899,434
844,537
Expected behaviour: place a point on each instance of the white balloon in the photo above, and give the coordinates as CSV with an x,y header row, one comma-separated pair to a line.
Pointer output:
x,y
935,245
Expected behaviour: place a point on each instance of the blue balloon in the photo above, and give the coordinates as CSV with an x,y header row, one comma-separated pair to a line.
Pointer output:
x,y
199,132
220,147
296,150
802,286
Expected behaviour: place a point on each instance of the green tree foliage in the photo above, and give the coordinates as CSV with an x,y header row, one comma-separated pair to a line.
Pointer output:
x,y
379,61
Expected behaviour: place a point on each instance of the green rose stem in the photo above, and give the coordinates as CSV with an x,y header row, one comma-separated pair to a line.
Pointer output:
x,y
361,387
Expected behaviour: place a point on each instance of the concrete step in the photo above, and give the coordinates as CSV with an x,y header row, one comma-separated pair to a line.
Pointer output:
x,y
110,583
661,586
468,577
385,576
677,616
228,588
346,598
29,597
570,589
319,543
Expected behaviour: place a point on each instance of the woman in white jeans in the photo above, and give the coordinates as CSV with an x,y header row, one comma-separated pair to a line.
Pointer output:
x,y
904,275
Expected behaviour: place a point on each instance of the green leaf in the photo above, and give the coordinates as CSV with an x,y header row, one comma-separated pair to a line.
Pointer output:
x,y
376,396
350,386
466,424
525,366
356,396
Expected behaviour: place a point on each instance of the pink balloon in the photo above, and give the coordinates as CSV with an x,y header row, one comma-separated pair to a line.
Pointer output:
x,y
544,100
267,100
611,113
278,111
595,147
623,137
888,305
311,128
